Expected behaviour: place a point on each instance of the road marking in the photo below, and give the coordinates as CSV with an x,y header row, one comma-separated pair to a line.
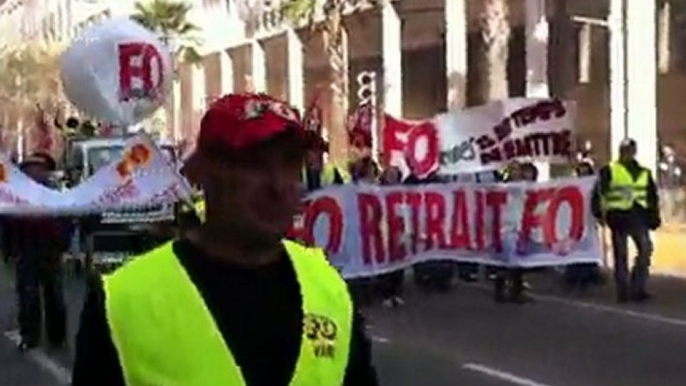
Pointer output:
x,y
380,339
502,375
614,310
676,322
59,372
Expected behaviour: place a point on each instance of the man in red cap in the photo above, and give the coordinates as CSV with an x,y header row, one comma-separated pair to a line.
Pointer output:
x,y
232,303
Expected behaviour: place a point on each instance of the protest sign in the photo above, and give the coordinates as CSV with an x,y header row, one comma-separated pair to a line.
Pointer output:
x,y
483,138
117,71
142,178
369,230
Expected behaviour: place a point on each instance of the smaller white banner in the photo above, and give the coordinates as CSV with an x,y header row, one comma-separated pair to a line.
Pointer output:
x,y
141,178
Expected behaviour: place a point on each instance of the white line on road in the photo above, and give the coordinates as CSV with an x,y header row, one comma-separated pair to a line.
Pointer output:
x,y
59,372
603,308
380,339
502,375
615,310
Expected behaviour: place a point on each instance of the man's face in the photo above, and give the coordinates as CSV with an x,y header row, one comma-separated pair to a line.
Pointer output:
x,y
255,199
627,153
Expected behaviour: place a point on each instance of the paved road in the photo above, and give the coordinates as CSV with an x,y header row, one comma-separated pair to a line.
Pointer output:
x,y
463,338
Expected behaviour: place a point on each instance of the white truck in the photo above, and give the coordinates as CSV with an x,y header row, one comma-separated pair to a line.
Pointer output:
x,y
107,240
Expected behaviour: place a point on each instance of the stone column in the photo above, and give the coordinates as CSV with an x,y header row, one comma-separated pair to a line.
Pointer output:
x,y
296,76
226,71
456,53
537,33
199,100
259,66
633,77
392,60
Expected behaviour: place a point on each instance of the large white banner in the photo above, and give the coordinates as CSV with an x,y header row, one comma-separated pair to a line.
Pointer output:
x,y
141,178
483,138
369,230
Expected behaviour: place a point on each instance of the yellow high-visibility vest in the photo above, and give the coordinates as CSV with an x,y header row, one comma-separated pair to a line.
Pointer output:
x,y
624,191
329,174
200,210
165,335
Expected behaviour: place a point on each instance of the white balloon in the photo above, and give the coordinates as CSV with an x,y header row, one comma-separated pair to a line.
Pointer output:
x,y
117,71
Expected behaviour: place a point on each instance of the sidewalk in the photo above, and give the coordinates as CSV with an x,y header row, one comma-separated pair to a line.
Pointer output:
x,y
670,250
669,255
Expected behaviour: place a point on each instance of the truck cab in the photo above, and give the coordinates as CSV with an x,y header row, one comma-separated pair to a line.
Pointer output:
x,y
108,239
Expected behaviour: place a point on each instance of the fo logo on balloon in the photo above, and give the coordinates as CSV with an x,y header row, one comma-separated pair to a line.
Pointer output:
x,y
141,71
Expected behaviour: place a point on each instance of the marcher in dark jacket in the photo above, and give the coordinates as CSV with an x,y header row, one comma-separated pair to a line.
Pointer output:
x,y
391,284
627,201
37,244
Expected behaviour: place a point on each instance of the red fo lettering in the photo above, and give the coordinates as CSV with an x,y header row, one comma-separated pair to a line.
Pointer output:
x,y
136,61
329,207
427,164
547,220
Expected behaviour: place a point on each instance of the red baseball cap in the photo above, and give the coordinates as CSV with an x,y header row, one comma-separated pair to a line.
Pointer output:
x,y
241,121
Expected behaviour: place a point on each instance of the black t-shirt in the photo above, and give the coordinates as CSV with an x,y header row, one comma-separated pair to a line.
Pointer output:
x,y
257,310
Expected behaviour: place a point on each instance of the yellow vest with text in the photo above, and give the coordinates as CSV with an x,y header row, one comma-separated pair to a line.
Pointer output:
x,y
165,335
625,191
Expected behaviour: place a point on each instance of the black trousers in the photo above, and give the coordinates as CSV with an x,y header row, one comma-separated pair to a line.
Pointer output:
x,y
391,284
38,276
632,281
512,276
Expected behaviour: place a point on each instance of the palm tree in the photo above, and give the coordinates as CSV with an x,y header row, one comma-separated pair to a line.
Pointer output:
x,y
494,30
169,19
334,36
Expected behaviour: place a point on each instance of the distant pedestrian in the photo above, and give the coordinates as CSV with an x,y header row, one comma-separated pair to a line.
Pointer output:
x,y
627,201
391,284
38,244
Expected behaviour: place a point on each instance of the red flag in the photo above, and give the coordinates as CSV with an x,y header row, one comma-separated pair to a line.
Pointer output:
x,y
360,127
42,134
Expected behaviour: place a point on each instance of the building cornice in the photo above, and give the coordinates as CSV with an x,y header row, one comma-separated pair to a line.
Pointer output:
x,y
272,23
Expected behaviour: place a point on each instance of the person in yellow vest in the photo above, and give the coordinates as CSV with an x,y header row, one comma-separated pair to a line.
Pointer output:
x,y
316,174
231,303
627,202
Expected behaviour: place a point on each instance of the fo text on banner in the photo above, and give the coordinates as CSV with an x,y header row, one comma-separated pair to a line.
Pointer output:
x,y
482,138
141,178
370,230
